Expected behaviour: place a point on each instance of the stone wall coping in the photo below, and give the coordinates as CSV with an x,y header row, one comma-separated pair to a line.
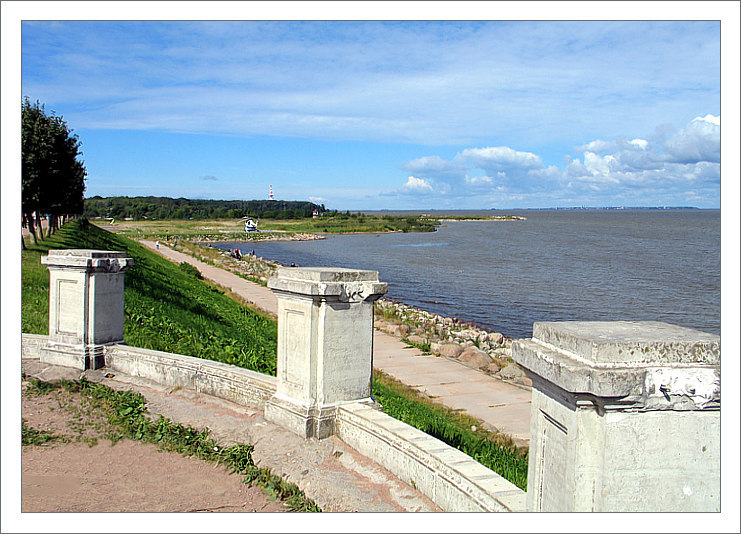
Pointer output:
x,y
327,274
629,342
457,482
632,361
87,253
345,284
187,364
88,260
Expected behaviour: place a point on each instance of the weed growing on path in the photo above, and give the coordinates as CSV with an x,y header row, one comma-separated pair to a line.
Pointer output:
x,y
126,416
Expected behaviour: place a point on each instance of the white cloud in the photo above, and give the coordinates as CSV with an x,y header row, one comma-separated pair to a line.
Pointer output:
x,y
482,180
415,186
500,157
698,141
317,200
609,172
437,168
441,83
598,165
598,146
712,119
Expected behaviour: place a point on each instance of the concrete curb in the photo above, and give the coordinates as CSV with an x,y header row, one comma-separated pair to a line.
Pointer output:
x,y
452,479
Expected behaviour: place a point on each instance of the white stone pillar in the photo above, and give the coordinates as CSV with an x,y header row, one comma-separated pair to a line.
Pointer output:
x,y
325,345
625,417
85,305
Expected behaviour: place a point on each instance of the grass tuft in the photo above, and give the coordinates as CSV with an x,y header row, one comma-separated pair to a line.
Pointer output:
x,y
493,450
32,436
128,417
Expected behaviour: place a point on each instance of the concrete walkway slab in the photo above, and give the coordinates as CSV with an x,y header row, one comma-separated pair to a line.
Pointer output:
x,y
445,379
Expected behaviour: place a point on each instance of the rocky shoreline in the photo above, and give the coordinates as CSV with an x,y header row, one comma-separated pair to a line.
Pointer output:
x,y
446,337
272,236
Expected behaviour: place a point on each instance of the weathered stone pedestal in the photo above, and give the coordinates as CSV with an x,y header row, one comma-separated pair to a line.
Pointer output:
x,y
625,417
325,345
85,305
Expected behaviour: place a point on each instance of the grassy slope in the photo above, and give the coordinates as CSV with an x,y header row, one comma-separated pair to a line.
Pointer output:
x,y
170,310
457,429
165,308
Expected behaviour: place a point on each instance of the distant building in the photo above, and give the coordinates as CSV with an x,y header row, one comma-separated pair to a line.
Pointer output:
x,y
270,196
315,214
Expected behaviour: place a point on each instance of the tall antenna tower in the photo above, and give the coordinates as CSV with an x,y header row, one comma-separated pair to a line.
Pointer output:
x,y
270,196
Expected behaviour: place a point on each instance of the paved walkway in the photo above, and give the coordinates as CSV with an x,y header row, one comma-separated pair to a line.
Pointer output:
x,y
501,406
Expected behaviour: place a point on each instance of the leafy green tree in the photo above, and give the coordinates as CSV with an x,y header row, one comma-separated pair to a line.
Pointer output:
x,y
52,175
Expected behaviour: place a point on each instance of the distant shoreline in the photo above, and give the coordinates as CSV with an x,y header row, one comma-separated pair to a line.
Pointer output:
x,y
480,219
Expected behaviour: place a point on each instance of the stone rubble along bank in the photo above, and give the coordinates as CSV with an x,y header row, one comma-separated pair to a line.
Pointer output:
x,y
240,237
489,352
255,267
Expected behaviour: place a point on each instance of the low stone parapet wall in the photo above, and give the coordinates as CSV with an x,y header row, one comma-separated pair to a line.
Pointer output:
x,y
222,380
31,345
236,384
450,478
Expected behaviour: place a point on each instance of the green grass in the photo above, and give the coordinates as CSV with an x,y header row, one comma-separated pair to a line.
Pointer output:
x,y
128,417
171,310
493,450
353,224
232,229
165,308
32,436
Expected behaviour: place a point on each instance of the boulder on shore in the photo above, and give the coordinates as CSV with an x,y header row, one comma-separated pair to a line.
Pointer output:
x,y
511,372
475,358
450,350
495,338
417,340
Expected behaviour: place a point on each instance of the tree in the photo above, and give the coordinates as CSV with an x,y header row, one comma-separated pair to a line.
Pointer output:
x,y
53,177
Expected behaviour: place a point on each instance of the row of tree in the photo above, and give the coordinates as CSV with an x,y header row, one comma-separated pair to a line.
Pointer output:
x,y
52,174
184,208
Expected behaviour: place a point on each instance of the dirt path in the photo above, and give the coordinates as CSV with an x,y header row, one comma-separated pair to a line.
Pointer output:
x,y
333,475
89,474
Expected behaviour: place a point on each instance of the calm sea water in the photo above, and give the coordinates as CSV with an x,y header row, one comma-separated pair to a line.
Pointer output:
x,y
558,265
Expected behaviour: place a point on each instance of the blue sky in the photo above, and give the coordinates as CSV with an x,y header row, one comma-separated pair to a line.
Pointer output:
x,y
396,115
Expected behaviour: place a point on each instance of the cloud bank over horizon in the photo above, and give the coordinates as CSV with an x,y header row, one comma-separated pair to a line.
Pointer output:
x,y
683,165
390,114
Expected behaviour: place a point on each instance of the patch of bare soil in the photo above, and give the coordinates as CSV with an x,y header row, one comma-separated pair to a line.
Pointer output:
x,y
81,471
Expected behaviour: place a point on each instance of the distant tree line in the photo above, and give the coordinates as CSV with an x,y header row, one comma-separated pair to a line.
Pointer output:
x,y
139,208
52,174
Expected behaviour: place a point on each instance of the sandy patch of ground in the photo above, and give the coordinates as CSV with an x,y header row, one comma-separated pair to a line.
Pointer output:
x,y
87,473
